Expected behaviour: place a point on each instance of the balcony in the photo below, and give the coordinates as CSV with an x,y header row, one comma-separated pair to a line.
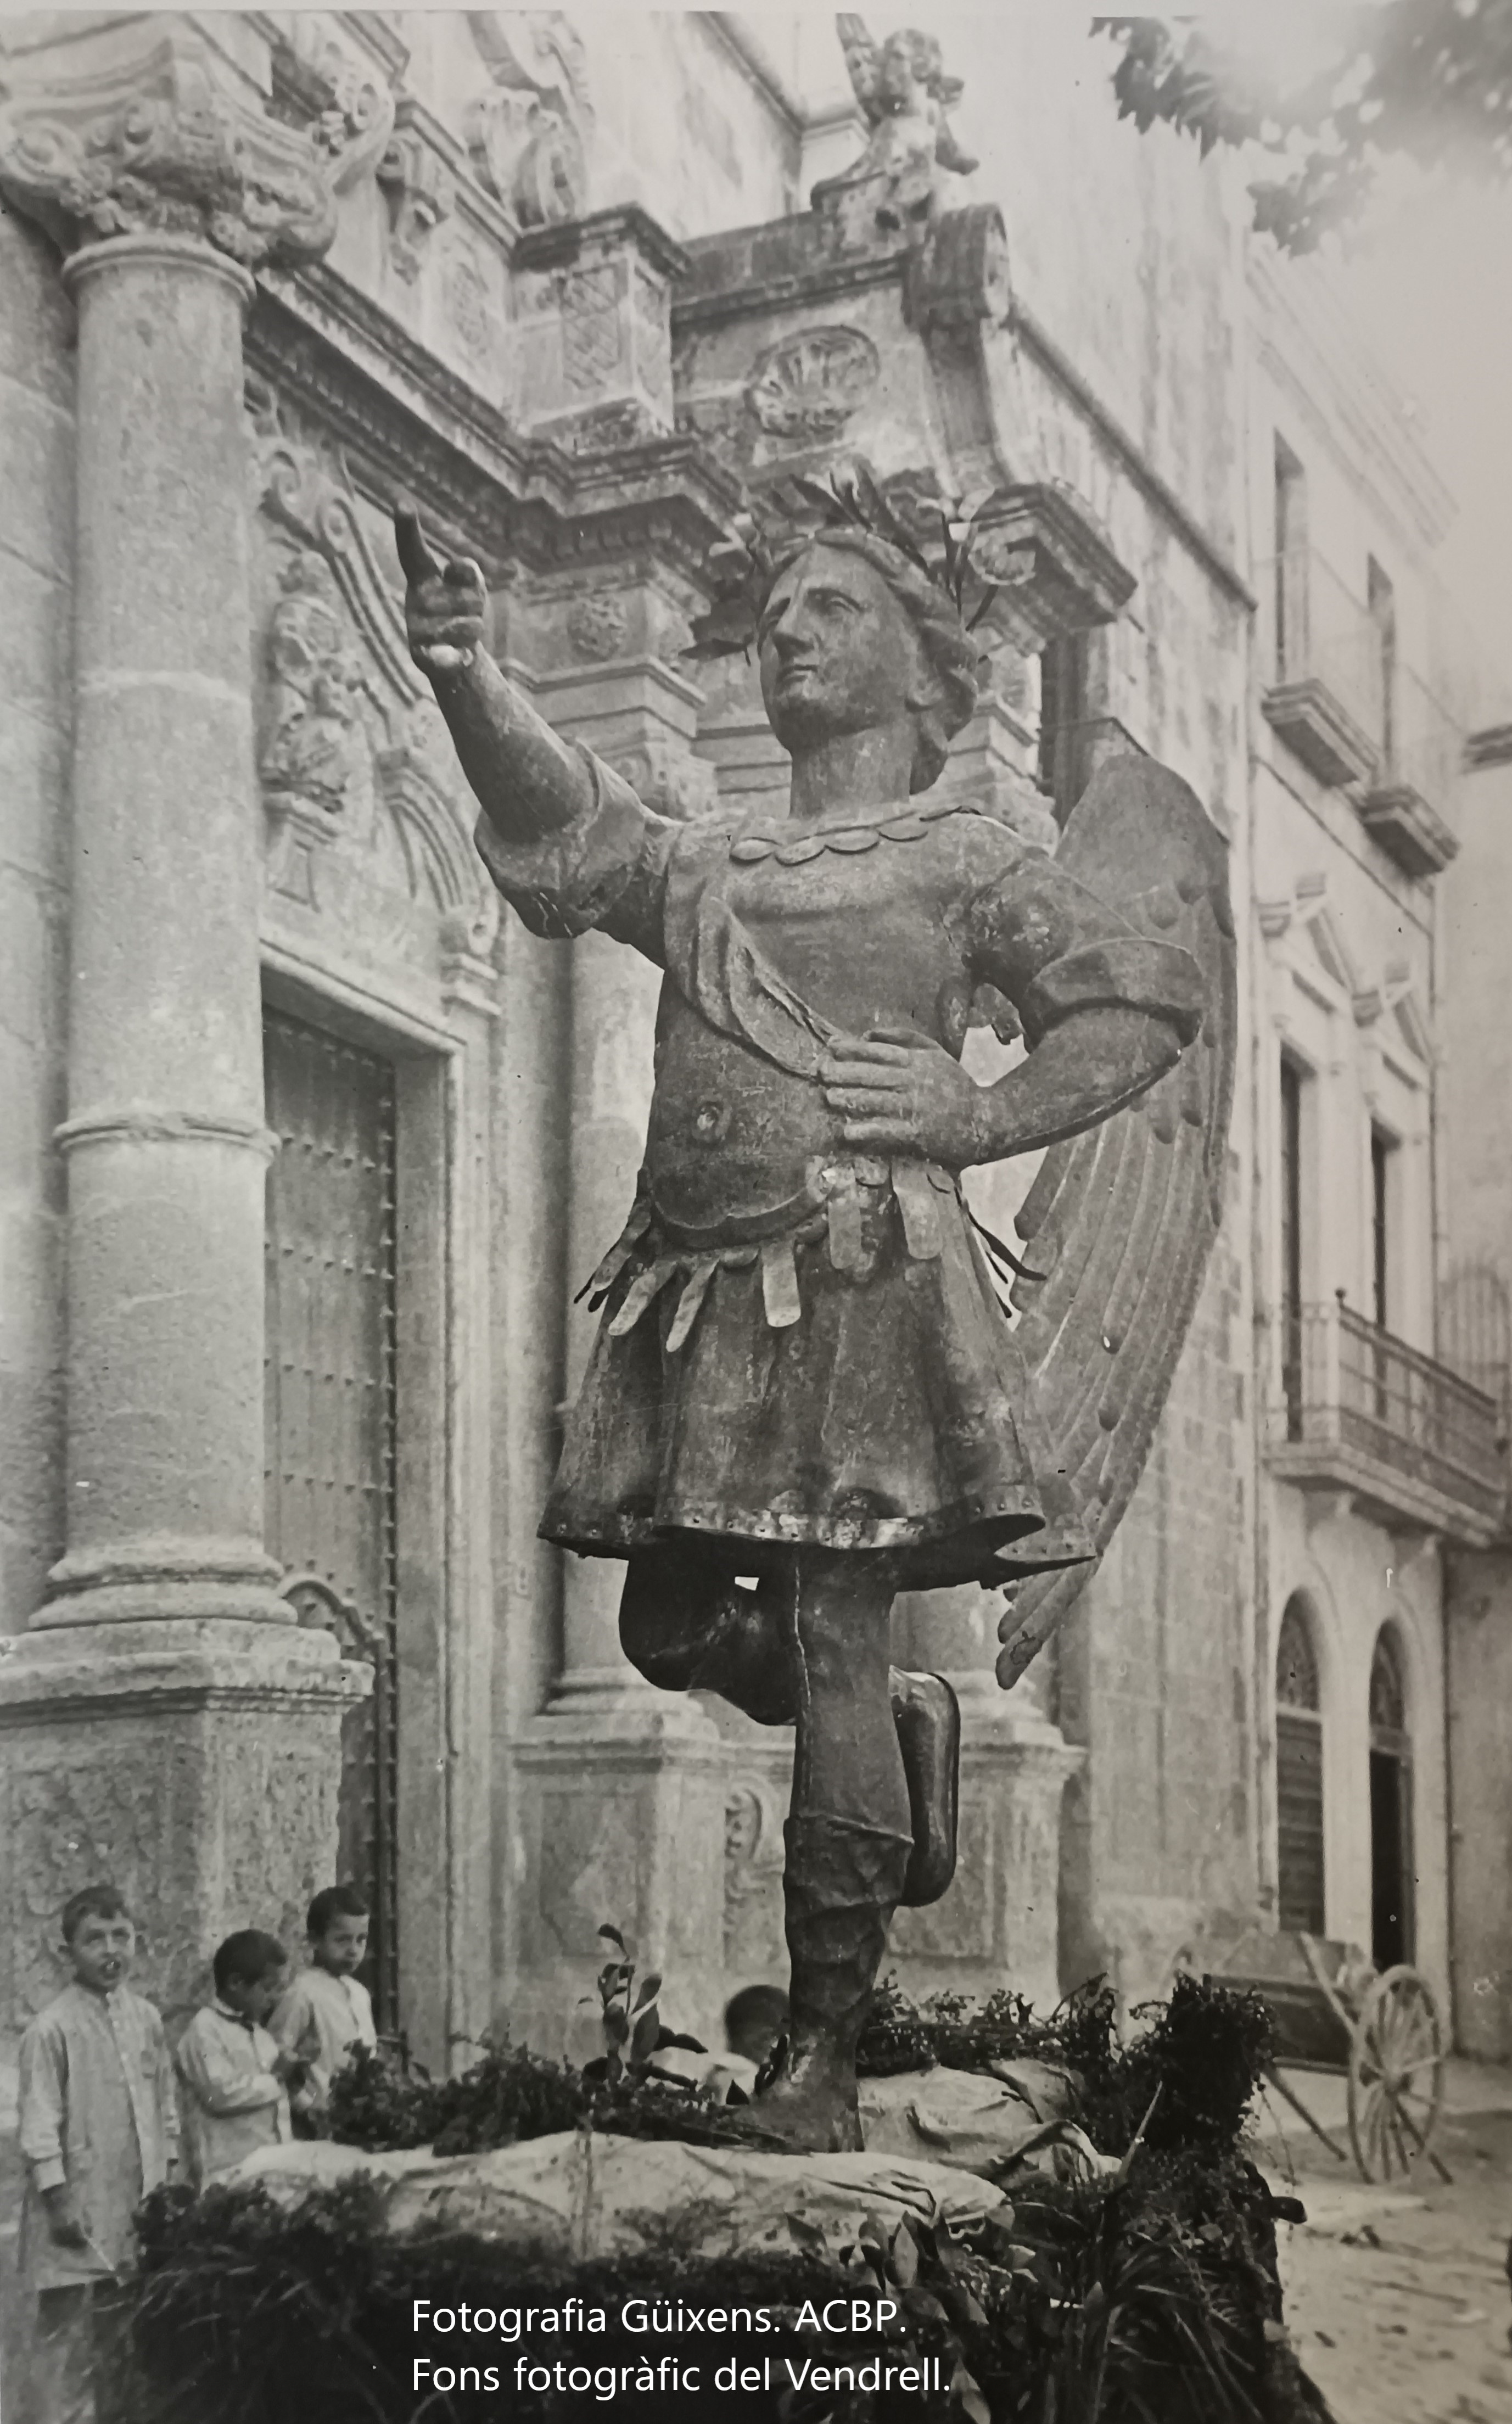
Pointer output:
x,y
1353,714
1324,656
1410,1442
1422,754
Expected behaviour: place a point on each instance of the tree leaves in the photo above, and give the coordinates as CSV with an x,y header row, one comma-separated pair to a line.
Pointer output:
x,y
1431,79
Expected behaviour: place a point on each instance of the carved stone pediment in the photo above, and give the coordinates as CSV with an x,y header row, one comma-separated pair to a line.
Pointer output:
x,y
529,130
419,193
367,823
134,128
1060,571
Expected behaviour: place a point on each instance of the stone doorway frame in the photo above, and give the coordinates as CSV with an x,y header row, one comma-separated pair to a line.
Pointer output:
x,y
444,1675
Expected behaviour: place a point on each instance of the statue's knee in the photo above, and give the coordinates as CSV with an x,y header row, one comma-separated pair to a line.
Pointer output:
x,y
664,1613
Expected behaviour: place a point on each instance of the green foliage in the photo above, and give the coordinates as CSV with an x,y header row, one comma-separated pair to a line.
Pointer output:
x,y
1145,2298
1429,79
513,2095
1146,2302
633,2030
1198,2061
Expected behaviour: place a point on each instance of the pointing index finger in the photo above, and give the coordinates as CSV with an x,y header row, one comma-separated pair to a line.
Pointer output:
x,y
415,561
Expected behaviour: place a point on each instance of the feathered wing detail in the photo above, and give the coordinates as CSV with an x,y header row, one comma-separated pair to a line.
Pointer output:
x,y
1122,1220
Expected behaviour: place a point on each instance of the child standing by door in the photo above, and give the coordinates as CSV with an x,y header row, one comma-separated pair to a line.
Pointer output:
x,y
99,2127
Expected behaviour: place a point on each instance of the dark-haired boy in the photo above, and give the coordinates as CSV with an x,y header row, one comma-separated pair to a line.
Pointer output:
x,y
99,2127
236,2079
327,2009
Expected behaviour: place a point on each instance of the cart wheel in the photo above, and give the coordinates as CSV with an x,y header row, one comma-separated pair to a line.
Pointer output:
x,y
1395,2075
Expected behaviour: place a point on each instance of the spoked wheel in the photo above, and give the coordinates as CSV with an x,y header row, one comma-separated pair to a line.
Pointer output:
x,y
1395,2075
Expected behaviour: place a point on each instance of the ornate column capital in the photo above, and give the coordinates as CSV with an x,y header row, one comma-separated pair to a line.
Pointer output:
x,y
139,128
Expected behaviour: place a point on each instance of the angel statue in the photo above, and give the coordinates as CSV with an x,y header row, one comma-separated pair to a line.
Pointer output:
x,y
905,96
805,1395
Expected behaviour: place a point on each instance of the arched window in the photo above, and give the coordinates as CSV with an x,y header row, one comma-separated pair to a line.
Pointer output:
x,y
1391,1913
1298,1774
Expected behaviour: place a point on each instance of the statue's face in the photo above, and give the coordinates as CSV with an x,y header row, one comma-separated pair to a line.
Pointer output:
x,y
838,651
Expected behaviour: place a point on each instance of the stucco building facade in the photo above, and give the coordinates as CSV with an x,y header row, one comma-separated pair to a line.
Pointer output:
x,y
308,1149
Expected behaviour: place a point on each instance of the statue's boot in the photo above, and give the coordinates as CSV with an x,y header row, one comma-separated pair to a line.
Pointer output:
x,y
842,1883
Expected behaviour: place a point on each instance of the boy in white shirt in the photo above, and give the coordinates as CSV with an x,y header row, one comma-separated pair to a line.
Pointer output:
x,y
236,2079
328,2010
99,2127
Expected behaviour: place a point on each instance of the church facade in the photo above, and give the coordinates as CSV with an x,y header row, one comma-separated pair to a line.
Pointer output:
x,y
311,1149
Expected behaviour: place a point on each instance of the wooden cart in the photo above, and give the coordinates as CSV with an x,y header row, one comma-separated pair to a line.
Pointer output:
x,y
1380,2031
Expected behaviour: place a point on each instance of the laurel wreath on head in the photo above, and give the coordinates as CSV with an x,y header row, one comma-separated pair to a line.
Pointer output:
x,y
795,512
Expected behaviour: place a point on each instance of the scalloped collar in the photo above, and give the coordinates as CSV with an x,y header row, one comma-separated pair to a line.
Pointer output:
x,y
888,823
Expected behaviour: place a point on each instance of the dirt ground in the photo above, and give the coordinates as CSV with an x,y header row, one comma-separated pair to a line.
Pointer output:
x,y
1397,2300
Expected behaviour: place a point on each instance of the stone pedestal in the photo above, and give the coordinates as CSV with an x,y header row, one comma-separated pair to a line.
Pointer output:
x,y
999,1925
593,329
195,1765
167,1723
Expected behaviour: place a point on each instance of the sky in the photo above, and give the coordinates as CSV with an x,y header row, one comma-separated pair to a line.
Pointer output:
x,y
1429,274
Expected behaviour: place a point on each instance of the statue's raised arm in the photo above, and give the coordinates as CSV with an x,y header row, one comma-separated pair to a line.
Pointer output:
x,y
528,783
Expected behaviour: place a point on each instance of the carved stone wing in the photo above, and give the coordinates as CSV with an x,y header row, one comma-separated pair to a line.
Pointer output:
x,y
1121,1220
860,62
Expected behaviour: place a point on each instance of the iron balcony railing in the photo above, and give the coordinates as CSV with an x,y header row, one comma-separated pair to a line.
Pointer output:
x,y
1350,1386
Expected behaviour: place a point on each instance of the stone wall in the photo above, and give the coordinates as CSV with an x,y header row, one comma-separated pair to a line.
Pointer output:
x,y
1477,1085
1159,1846
36,643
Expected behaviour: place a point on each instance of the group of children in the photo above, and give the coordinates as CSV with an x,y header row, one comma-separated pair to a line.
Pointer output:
x,y
103,2106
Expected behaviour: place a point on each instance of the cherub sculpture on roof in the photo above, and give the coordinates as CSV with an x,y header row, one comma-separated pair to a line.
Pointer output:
x,y
905,96
803,1372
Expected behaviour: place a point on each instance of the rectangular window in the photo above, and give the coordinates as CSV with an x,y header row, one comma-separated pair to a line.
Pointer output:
x,y
1063,722
1290,510
1381,1150
1292,1082
1381,598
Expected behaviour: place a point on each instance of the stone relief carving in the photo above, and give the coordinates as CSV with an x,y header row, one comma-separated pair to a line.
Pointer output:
x,y
317,81
352,726
67,1830
312,749
134,133
420,193
529,133
465,294
668,778
588,300
753,1877
597,625
809,385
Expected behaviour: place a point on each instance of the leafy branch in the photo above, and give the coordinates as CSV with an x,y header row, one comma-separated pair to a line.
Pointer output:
x,y
1430,80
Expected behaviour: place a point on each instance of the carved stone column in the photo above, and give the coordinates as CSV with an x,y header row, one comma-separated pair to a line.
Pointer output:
x,y
999,1922
170,1724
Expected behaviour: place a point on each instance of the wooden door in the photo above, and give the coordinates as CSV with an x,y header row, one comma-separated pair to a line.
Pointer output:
x,y
331,1417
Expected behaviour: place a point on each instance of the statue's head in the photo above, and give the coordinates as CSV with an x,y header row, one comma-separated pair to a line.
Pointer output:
x,y
851,635
910,62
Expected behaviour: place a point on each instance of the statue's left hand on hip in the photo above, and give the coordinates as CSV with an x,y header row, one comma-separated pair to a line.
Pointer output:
x,y
902,1092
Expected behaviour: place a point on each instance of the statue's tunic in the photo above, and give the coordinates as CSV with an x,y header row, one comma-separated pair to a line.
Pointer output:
x,y
801,1343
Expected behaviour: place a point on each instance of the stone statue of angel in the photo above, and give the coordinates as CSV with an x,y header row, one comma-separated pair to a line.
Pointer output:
x,y
804,1374
905,96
